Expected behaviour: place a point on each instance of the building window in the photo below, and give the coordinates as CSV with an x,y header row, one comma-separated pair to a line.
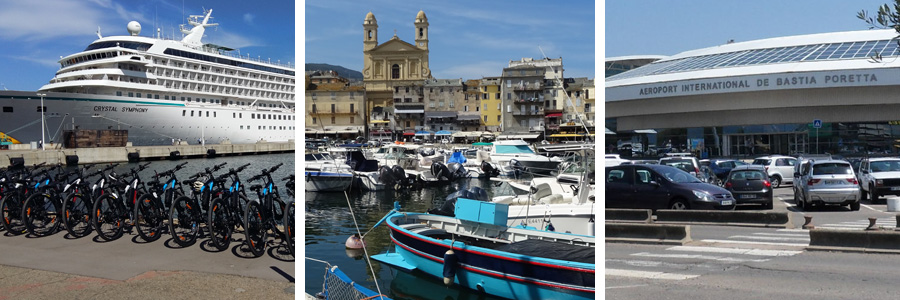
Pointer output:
x,y
332,108
498,118
466,108
313,108
485,106
485,119
314,120
407,89
333,95
476,108
498,96
508,96
332,120
395,71
351,107
351,120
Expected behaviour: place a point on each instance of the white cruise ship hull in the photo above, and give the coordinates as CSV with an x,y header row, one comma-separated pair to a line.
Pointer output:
x,y
148,121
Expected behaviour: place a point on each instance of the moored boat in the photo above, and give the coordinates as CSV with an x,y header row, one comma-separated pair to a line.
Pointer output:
x,y
478,251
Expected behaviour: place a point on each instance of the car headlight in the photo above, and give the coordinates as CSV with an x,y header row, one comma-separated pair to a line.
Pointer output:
x,y
879,182
703,195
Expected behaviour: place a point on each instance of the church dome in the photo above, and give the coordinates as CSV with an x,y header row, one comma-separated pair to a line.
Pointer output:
x,y
421,16
370,17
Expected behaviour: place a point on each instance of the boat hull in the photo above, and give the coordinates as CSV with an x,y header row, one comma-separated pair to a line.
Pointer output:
x,y
327,181
569,218
148,121
497,273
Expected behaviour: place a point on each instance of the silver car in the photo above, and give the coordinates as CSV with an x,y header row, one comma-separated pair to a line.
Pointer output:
x,y
828,182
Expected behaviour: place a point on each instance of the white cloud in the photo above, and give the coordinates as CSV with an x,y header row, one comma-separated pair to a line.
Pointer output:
x,y
40,20
225,38
41,61
248,18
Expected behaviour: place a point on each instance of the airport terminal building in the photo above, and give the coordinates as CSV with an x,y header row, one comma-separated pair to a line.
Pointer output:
x,y
835,93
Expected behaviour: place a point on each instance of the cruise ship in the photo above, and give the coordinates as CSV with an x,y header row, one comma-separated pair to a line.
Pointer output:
x,y
161,91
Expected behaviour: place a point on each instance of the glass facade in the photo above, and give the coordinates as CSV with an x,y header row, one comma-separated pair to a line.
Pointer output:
x,y
845,139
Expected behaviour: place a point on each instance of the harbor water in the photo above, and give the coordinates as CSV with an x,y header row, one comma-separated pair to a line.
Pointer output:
x,y
329,222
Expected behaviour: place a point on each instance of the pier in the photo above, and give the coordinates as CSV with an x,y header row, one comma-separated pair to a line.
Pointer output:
x,y
57,155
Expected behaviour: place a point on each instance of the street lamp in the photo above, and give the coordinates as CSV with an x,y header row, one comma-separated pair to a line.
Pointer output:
x,y
42,119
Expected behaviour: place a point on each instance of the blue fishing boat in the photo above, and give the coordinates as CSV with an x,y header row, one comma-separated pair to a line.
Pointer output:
x,y
477,250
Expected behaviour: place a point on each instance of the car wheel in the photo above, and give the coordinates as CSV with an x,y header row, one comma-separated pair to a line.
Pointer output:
x,y
678,205
854,206
776,181
863,195
873,194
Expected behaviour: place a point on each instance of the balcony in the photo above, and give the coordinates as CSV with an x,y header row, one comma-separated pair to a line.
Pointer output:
x,y
529,100
338,112
529,112
529,87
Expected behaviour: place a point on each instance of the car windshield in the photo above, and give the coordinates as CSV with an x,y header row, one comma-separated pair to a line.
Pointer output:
x,y
746,175
832,169
885,166
760,161
683,165
678,176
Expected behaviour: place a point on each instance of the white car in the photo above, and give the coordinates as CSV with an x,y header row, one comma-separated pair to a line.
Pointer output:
x,y
780,168
878,177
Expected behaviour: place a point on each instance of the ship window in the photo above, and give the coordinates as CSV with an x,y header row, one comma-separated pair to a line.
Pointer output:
x,y
207,114
118,93
130,94
192,113
253,116
241,115
242,126
183,112
7,109
138,95
189,99
150,96
234,115
214,114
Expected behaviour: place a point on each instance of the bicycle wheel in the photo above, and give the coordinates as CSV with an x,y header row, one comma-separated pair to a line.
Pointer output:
x,y
254,229
184,221
149,218
11,211
220,224
289,227
41,215
109,217
77,215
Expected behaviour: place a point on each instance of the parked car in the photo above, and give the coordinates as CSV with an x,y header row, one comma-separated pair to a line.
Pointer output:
x,y
879,176
707,175
802,167
686,163
662,187
721,167
828,182
749,184
780,168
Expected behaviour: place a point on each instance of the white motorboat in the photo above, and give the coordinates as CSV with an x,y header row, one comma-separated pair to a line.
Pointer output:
x,y
324,174
513,155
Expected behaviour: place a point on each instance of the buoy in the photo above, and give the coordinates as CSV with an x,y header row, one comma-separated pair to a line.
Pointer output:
x,y
450,261
355,242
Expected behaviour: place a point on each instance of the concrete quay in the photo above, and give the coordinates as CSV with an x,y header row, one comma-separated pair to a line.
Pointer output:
x,y
55,155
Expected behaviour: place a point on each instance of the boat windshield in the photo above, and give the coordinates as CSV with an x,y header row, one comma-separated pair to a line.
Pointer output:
x,y
517,149
318,156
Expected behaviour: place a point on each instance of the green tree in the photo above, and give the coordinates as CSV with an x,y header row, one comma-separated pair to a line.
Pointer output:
x,y
885,18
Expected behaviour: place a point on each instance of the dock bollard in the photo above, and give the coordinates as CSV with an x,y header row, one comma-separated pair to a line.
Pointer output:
x,y
808,224
872,221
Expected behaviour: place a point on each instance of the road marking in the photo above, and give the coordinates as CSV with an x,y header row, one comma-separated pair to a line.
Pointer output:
x,y
658,264
783,234
744,251
697,256
768,238
794,230
649,275
755,243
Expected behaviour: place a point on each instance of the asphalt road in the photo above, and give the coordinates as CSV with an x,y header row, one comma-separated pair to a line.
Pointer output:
x,y
725,262
34,268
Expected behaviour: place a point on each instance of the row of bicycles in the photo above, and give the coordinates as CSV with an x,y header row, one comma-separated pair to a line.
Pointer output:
x,y
43,200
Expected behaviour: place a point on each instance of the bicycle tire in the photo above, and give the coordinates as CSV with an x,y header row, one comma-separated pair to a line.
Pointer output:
x,y
77,210
11,213
220,224
149,218
289,227
183,222
108,217
254,229
41,215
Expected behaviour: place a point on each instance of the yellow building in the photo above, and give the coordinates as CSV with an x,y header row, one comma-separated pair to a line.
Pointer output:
x,y
390,66
490,104
334,110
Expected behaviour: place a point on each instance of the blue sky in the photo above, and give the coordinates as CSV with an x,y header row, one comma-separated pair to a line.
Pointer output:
x,y
34,34
467,39
662,27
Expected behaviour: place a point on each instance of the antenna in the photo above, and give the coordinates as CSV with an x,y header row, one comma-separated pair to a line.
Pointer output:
x,y
569,101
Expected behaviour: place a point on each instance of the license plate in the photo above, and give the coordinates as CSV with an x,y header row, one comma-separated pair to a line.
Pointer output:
x,y
833,182
727,202
748,196
895,188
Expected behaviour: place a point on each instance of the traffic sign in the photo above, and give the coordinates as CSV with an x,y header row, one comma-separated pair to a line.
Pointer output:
x,y
817,123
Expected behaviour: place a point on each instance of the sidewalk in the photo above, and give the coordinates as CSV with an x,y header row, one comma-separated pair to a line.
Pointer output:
x,y
21,283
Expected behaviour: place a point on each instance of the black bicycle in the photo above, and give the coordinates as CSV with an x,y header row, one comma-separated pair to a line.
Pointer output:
x,y
42,211
21,186
111,212
226,210
260,216
186,216
151,210
289,214
79,202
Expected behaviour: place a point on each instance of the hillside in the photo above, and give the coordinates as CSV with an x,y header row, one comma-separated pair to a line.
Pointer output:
x,y
343,72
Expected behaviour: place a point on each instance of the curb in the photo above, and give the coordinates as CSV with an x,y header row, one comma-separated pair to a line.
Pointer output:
x,y
727,218
648,233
